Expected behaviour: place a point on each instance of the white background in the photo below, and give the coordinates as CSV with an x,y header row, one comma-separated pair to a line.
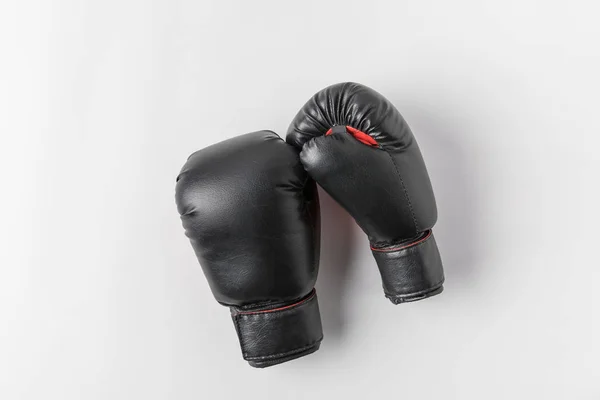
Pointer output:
x,y
101,102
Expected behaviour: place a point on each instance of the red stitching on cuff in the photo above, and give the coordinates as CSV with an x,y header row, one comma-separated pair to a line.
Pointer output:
x,y
314,292
403,247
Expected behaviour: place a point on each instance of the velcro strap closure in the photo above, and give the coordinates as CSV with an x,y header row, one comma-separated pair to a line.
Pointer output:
x,y
280,332
410,271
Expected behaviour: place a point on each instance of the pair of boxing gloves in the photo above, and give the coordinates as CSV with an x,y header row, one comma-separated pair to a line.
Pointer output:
x,y
250,208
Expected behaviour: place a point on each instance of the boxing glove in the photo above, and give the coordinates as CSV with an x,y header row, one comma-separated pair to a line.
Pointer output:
x,y
357,146
252,215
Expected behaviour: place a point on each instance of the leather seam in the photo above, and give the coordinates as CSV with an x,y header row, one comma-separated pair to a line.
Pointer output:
x,y
285,353
412,211
283,308
235,309
413,244
432,288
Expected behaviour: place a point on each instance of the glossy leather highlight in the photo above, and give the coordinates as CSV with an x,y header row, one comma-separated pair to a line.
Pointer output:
x,y
252,216
382,183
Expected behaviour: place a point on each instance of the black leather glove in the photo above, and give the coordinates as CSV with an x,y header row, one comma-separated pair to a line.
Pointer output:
x,y
357,146
252,215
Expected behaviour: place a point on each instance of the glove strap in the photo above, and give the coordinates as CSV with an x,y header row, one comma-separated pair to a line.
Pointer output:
x,y
272,336
410,271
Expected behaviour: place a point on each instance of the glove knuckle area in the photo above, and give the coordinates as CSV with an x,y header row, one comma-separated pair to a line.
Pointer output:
x,y
243,205
355,105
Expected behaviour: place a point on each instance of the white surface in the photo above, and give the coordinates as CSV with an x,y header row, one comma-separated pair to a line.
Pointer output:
x,y
101,103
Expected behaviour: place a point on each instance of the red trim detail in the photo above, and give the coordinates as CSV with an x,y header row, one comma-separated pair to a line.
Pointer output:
x,y
280,308
358,135
405,246
361,136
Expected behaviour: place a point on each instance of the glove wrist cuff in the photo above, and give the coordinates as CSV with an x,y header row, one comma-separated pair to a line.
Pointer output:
x,y
272,336
410,271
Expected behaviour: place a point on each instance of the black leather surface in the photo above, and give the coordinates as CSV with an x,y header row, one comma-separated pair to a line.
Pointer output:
x,y
285,333
251,213
412,271
385,187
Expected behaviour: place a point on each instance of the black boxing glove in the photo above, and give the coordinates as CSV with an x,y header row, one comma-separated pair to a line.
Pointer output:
x,y
357,146
252,215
